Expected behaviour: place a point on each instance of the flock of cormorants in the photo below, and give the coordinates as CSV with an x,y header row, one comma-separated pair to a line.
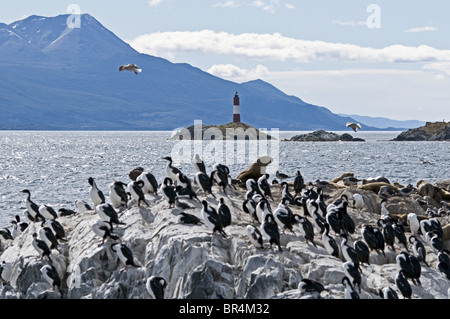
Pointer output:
x,y
318,218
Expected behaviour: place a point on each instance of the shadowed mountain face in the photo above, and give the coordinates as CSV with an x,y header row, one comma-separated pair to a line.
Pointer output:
x,y
57,77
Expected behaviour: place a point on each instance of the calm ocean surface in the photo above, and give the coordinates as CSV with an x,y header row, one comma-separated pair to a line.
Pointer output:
x,y
55,166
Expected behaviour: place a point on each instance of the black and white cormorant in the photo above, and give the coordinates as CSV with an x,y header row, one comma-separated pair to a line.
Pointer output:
x,y
41,247
403,285
56,227
348,252
155,286
63,212
255,236
50,274
418,249
168,191
104,231
363,251
350,292
264,186
212,219
136,192
97,196
47,235
124,254
48,212
410,266
329,242
224,213
388,233
150,182
306,228
205,183
199,164
352,272
82,206
118,194
269,229
284,218
171,170
286,194
388,293
108,214
249,207
186,218
32,208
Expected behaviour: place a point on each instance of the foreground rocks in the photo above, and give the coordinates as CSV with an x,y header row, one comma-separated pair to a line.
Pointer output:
x,y
199,265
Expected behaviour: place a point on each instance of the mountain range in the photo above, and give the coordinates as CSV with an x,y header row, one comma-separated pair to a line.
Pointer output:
x,y
59,78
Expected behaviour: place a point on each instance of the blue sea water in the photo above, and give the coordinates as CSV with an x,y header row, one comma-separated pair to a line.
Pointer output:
x,y
55,165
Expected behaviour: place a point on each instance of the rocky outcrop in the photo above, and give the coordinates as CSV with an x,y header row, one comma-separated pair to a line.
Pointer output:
x,y
199,265
230,131
323,136
438,131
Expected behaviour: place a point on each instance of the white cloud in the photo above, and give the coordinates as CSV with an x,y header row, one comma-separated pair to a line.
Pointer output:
x,y
351,23
266,5
155,3
235,73
440,67
421,29
280,48
227,4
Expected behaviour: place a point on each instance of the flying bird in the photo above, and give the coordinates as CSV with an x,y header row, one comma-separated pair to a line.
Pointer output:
x,y
130,67
354,126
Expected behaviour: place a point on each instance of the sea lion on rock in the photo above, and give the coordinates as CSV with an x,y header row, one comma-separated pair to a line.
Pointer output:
x,y
338,179
375,187
256,170
425,189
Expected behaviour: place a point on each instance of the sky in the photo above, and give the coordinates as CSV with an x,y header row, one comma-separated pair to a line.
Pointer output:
x,y
375,58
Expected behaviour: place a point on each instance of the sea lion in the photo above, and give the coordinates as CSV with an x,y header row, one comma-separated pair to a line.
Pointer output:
x,y
425,189
256,170
375,187
337,179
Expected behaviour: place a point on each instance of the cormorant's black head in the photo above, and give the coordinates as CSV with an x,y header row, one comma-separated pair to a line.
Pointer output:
x,y
168,158
26,191
90,181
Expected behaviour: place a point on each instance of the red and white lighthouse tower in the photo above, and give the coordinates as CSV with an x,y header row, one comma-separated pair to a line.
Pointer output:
x,y
236,109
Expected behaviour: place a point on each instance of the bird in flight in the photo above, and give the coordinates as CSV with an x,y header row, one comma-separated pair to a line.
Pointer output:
x,y
354,126
130,67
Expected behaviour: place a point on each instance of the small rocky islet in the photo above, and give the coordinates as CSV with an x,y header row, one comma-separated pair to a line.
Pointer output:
x,y
431,131
197,264
324,136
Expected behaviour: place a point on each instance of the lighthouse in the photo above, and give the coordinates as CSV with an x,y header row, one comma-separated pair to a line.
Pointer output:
x,y
236,109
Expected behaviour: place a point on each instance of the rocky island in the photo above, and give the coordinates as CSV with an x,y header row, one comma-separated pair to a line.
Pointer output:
x,y
230,131
198,264
438,131
323,136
